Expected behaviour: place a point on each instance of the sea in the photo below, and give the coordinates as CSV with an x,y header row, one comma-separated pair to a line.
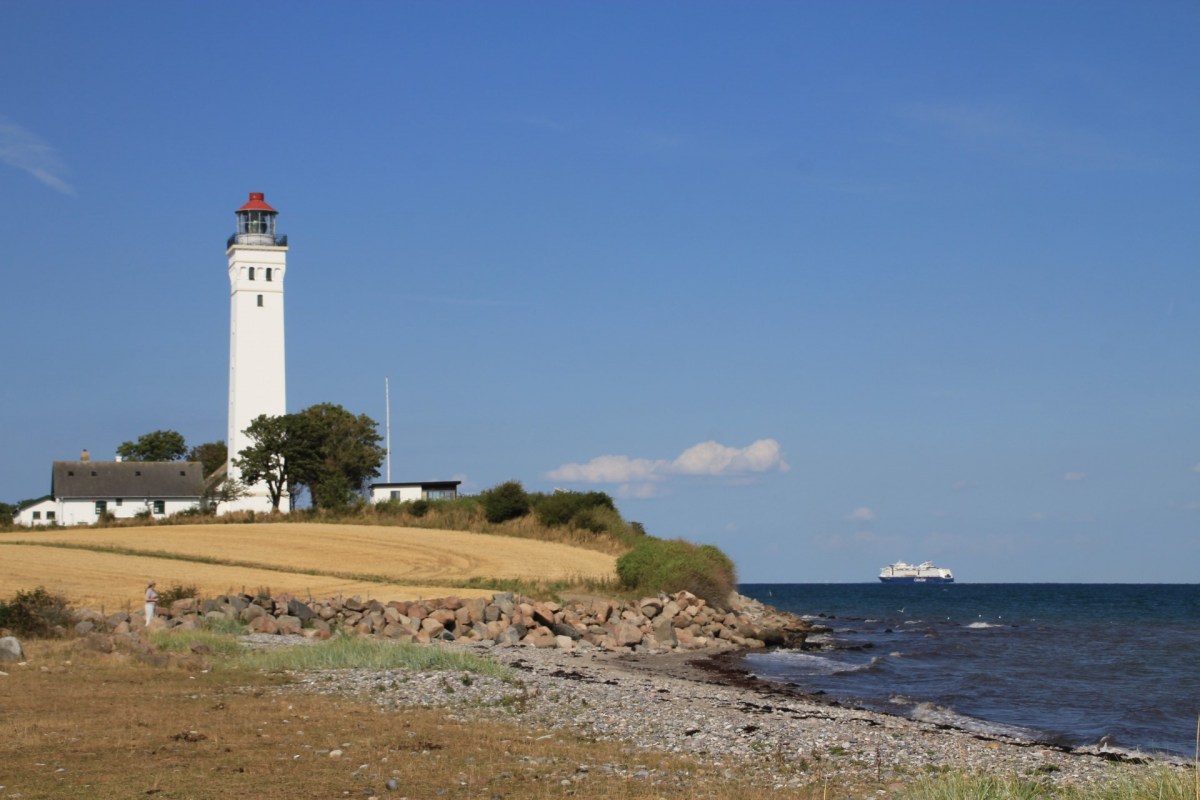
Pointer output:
x,y
1104,665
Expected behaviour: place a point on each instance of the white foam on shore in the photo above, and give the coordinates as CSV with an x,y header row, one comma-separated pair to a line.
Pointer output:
x,y
941,715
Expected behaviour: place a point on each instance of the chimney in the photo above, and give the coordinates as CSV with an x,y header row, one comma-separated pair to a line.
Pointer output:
x,y
85,456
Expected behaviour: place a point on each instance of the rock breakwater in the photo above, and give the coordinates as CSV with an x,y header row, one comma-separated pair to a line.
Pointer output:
x,y
666,622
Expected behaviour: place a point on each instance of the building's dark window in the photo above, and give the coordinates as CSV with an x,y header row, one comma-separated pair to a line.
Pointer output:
x,y
160,506
37,515
101,506
260,305
120,502
268,273
252,273
137,472
70,473
50,515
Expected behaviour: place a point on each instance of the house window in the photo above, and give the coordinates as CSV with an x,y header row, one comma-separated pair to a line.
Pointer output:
x,y
101,506
50,515
440,494
268,273
260,305
395,494
252,273
37,515
160,506
119,502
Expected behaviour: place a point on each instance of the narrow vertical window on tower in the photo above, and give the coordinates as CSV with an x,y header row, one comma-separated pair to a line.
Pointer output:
x,y
260,305
268,274
252,273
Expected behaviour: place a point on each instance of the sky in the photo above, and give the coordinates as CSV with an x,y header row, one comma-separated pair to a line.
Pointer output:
x,y
827,285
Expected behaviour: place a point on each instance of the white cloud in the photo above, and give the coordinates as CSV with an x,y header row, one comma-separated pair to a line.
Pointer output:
x,y
611,469
1074,476
706,458
861,514
713,458
27,151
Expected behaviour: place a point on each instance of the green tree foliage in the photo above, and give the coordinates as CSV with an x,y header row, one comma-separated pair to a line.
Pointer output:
x,y
7,512
211,455
217,492
334,453
154,446
324,449
266,459
504,502
35,612
662,565
570,508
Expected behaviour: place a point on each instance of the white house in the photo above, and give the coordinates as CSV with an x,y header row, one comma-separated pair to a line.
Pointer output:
x,y
80,491
417,490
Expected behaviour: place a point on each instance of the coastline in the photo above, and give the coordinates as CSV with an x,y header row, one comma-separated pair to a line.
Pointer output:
x,y
705,705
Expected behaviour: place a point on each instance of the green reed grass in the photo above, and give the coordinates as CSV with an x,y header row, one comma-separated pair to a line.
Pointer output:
x,y
354,652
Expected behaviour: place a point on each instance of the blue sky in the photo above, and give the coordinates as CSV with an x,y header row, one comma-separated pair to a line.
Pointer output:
x,y
828,285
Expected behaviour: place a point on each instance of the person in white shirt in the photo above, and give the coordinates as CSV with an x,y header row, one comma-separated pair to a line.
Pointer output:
x,y
151,601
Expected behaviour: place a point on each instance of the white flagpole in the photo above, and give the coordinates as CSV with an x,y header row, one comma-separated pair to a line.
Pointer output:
x,y
387,401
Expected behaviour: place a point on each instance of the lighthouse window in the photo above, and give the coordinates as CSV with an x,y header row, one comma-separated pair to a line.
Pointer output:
x,y
260,305
252,273
268,273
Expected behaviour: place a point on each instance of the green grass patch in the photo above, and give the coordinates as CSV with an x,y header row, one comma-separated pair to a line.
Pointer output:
x,y
1164,783
355,652
177,641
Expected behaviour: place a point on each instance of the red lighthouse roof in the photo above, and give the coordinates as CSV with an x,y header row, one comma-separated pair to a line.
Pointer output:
x,y
257,203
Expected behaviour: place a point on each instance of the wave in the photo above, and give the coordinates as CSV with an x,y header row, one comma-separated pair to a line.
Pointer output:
x,y
981,625
948,717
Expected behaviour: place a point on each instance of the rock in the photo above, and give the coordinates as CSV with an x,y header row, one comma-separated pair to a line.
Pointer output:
x,y
10,649
184,605
626,634
299,610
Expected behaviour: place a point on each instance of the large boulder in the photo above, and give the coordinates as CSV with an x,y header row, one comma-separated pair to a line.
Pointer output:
x,y
10,649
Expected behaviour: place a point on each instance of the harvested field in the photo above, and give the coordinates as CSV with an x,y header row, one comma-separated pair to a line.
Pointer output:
x,y
303,558
116,581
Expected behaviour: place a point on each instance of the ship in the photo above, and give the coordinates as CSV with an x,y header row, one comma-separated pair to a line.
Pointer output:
x,y
915,573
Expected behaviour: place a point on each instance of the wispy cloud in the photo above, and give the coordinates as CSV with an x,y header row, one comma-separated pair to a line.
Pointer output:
x,y
638,476
861,514
1074,476
25,150
1011,133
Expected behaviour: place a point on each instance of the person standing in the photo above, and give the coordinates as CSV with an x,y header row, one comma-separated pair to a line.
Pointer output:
x,y
151,601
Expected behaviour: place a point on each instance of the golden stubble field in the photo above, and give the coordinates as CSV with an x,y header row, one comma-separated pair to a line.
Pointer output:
x,y
322,560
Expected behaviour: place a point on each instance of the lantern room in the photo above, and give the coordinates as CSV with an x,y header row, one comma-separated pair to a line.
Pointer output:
x,y
256,224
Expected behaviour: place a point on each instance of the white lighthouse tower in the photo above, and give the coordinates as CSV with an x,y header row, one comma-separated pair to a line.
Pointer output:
x,y
257,383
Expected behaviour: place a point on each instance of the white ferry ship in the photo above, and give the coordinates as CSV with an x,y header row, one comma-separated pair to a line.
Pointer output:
x,y
915,573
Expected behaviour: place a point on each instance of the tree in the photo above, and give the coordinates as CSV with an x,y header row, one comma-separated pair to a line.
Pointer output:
x,y
323,448
211,455
334,453
225,491
154,446
266,459
7,512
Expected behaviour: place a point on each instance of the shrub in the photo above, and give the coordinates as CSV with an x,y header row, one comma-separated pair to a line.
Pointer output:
x,y
419,508
34,613
176,592
660,565
504,502
563,508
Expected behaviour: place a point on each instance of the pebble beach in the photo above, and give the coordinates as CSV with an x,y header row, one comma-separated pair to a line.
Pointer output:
x,y
704,705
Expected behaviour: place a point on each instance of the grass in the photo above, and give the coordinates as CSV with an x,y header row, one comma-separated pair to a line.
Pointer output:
x,y
80,725
1159,784
359,652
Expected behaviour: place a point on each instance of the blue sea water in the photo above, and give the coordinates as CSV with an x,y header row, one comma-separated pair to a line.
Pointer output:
x,y
1072,664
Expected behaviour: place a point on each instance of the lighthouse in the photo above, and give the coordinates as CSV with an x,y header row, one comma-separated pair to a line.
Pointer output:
x,y
257,256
